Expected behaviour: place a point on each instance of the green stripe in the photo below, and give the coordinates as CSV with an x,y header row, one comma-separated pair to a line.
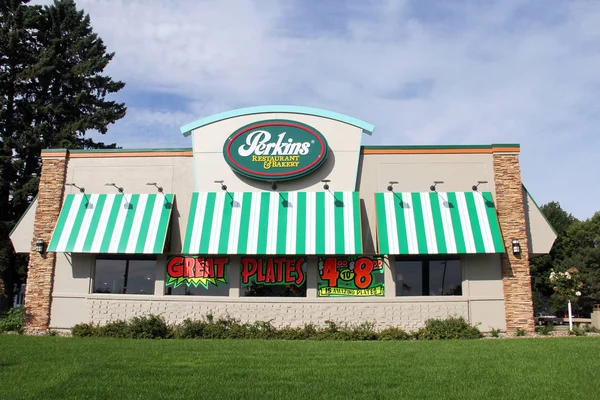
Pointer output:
x,y
163,227
382,236
339,222
60,225
475,226
436,214
131,211
358,248
400,223
417,208
211,200
145,225
493,221
187,244
225,225
282,223
300,223
456,225
244,223
320,223
91,234
263,225
110,226
74,234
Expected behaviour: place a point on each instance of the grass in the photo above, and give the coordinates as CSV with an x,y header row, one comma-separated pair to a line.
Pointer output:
x,y
93,368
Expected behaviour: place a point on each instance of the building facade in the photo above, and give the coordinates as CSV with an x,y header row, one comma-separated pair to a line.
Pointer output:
x,y
280,213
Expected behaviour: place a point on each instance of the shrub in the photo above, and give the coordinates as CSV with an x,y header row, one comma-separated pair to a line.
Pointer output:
x,y
394,334
189,329
289,333
364,331
149,327
114,329
521,332
450,328
545,330
577,331
495,332
262,330
83,330
12,321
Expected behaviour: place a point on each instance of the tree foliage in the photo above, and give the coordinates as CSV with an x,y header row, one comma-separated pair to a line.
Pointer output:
x,y
52,92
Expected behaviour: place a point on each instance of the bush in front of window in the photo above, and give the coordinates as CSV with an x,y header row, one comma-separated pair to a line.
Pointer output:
x,y
449,328
12,321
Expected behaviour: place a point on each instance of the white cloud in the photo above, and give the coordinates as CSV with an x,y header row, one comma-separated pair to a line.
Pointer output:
x,y
499,73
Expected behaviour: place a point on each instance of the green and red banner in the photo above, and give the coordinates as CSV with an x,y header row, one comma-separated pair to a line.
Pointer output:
x,y
350,276
197,271
275,150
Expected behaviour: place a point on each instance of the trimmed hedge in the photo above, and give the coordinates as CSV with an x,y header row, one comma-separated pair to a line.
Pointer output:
x,y
155,327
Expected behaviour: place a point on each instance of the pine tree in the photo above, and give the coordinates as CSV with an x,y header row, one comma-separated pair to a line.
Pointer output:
x,y
52,92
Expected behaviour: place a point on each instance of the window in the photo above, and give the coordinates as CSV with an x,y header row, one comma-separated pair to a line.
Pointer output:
x,y
273,277
124,276
428,277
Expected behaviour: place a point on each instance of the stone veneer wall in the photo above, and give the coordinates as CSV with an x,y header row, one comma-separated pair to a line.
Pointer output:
x,y
40,275
516,276
407,315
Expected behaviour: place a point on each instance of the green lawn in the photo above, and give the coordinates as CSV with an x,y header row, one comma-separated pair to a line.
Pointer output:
x,y
90,368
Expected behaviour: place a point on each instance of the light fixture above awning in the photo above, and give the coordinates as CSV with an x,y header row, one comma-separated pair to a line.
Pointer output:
x,y
437,223
274,223
113,224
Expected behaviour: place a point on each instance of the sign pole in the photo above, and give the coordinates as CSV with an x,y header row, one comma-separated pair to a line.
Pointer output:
x,y
570,317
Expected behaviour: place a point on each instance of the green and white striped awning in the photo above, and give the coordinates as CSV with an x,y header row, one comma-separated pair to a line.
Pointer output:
x,y
274,223
113,223
437,223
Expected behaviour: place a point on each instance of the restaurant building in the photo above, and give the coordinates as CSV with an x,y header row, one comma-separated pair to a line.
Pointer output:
x,y
280,213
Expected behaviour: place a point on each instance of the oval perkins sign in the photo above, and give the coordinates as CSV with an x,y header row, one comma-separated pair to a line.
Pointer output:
x,y
275,150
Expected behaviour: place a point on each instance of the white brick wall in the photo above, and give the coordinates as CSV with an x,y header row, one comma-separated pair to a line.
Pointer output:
x,y
407,315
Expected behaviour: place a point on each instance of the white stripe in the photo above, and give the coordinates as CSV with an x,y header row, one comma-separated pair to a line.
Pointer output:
x,y
484,223
234,226
273,222
85,223
348,200
311,201
390,200
292,222
157,212
138,218
118,229
411,230
198,222
465,221
253,223
215,230
327,204
432,247
103,223
447,223
68,227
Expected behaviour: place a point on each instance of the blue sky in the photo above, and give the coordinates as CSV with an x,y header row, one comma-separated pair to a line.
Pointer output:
x,y
423,72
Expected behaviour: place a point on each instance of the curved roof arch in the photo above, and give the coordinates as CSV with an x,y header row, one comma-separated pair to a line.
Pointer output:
x,y
187,129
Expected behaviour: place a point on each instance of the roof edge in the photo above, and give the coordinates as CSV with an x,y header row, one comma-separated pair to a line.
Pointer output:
x,y
187,129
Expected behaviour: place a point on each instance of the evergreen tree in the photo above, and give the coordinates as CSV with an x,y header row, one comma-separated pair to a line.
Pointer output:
x,y
52,92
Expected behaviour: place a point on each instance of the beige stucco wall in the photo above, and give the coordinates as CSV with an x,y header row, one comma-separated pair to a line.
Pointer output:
x,y
340,167
22,236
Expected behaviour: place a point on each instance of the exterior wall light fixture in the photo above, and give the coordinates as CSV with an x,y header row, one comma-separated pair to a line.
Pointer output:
x,y
326,184
223,185
81,189
273,185
435,183
390,187
40,246
159,188
516,247
120,189
475,187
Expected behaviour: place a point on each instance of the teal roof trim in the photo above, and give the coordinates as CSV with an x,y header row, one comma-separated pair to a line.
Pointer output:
x,y
186,130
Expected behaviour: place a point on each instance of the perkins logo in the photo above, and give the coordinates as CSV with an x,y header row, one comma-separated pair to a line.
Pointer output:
x,y
275,150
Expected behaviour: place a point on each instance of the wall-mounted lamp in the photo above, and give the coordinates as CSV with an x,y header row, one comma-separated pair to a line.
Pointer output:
x,y
40,246
435,183
120,189
326,184
475,187
516,247
273,185
390,188
223,185
160,189
81,190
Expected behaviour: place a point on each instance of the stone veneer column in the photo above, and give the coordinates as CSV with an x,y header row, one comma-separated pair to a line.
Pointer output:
x,y
518,300
40,274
